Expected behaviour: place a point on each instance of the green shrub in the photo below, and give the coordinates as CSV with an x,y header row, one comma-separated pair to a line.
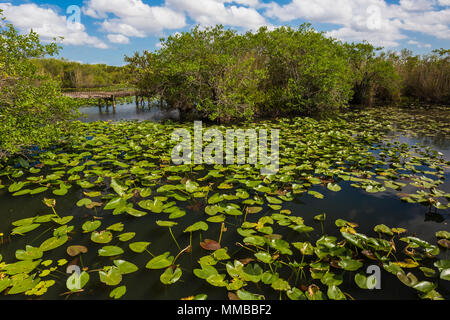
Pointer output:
x,y
32,110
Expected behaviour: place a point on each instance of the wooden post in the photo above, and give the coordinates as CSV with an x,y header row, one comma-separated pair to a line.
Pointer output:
x,y
113,99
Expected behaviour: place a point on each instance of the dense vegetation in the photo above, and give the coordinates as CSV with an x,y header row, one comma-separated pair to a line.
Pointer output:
x,y
75,75
32,109
230,76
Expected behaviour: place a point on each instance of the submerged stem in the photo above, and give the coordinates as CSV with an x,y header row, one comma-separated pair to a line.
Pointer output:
x,y
173,237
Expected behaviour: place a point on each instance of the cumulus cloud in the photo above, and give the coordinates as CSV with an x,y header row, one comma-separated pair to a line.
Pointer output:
x,y
419,44
133,18
49,24
373,20
118,38
212,12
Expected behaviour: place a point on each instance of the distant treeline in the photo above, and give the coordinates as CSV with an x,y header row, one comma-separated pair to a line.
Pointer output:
x,y
229,76
75,75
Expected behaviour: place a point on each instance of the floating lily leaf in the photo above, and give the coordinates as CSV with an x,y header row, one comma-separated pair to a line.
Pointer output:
x,y
217,280
125,267
281,285
90,226
381,228
160,262
118,227
321,217
139,247
205,272
428,272
20,286
245,295
135,213
30,253
252,272
221,254
124,237
84,202
101,237
24,229
171,276
76,250
110,251
305,248
444,243
254,210
425,286
316,194
350,264
408,263
191,186
334,293
197,226
331,279
445,274
295,294
118,188
264,257
210,245
53,243
255,240
111,277
166,223
443,234
432,295
63,221
155,206
21,267
118,292
334,187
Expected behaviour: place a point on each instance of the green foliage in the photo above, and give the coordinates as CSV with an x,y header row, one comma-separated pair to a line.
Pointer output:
x,y
228,76
32,110
425,78
75,75
374,77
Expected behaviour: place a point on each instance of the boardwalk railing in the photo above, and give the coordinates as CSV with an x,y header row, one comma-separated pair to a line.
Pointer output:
x,y
100,95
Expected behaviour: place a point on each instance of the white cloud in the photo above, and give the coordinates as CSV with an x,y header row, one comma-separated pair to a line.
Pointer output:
x,y
372,20
226,12
419,44
118,38
49,25
417,5
133,18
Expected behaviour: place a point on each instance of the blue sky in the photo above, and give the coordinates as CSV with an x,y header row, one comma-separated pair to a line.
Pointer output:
x,y
103,31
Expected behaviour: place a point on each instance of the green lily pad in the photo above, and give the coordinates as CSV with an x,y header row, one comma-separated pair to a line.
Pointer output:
x,y
118,292
110,251
160,262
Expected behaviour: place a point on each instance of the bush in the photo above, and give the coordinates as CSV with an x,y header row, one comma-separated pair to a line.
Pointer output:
x,y
32,109
374,77
228,76
426,78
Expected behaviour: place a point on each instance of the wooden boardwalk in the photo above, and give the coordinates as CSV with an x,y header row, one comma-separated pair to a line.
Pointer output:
x,y
100,94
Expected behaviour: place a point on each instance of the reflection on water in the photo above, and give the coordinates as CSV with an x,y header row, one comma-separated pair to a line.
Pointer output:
x,y
127,111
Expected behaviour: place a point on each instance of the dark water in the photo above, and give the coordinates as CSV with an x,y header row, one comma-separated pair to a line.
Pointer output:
x,y
127,111
350,204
